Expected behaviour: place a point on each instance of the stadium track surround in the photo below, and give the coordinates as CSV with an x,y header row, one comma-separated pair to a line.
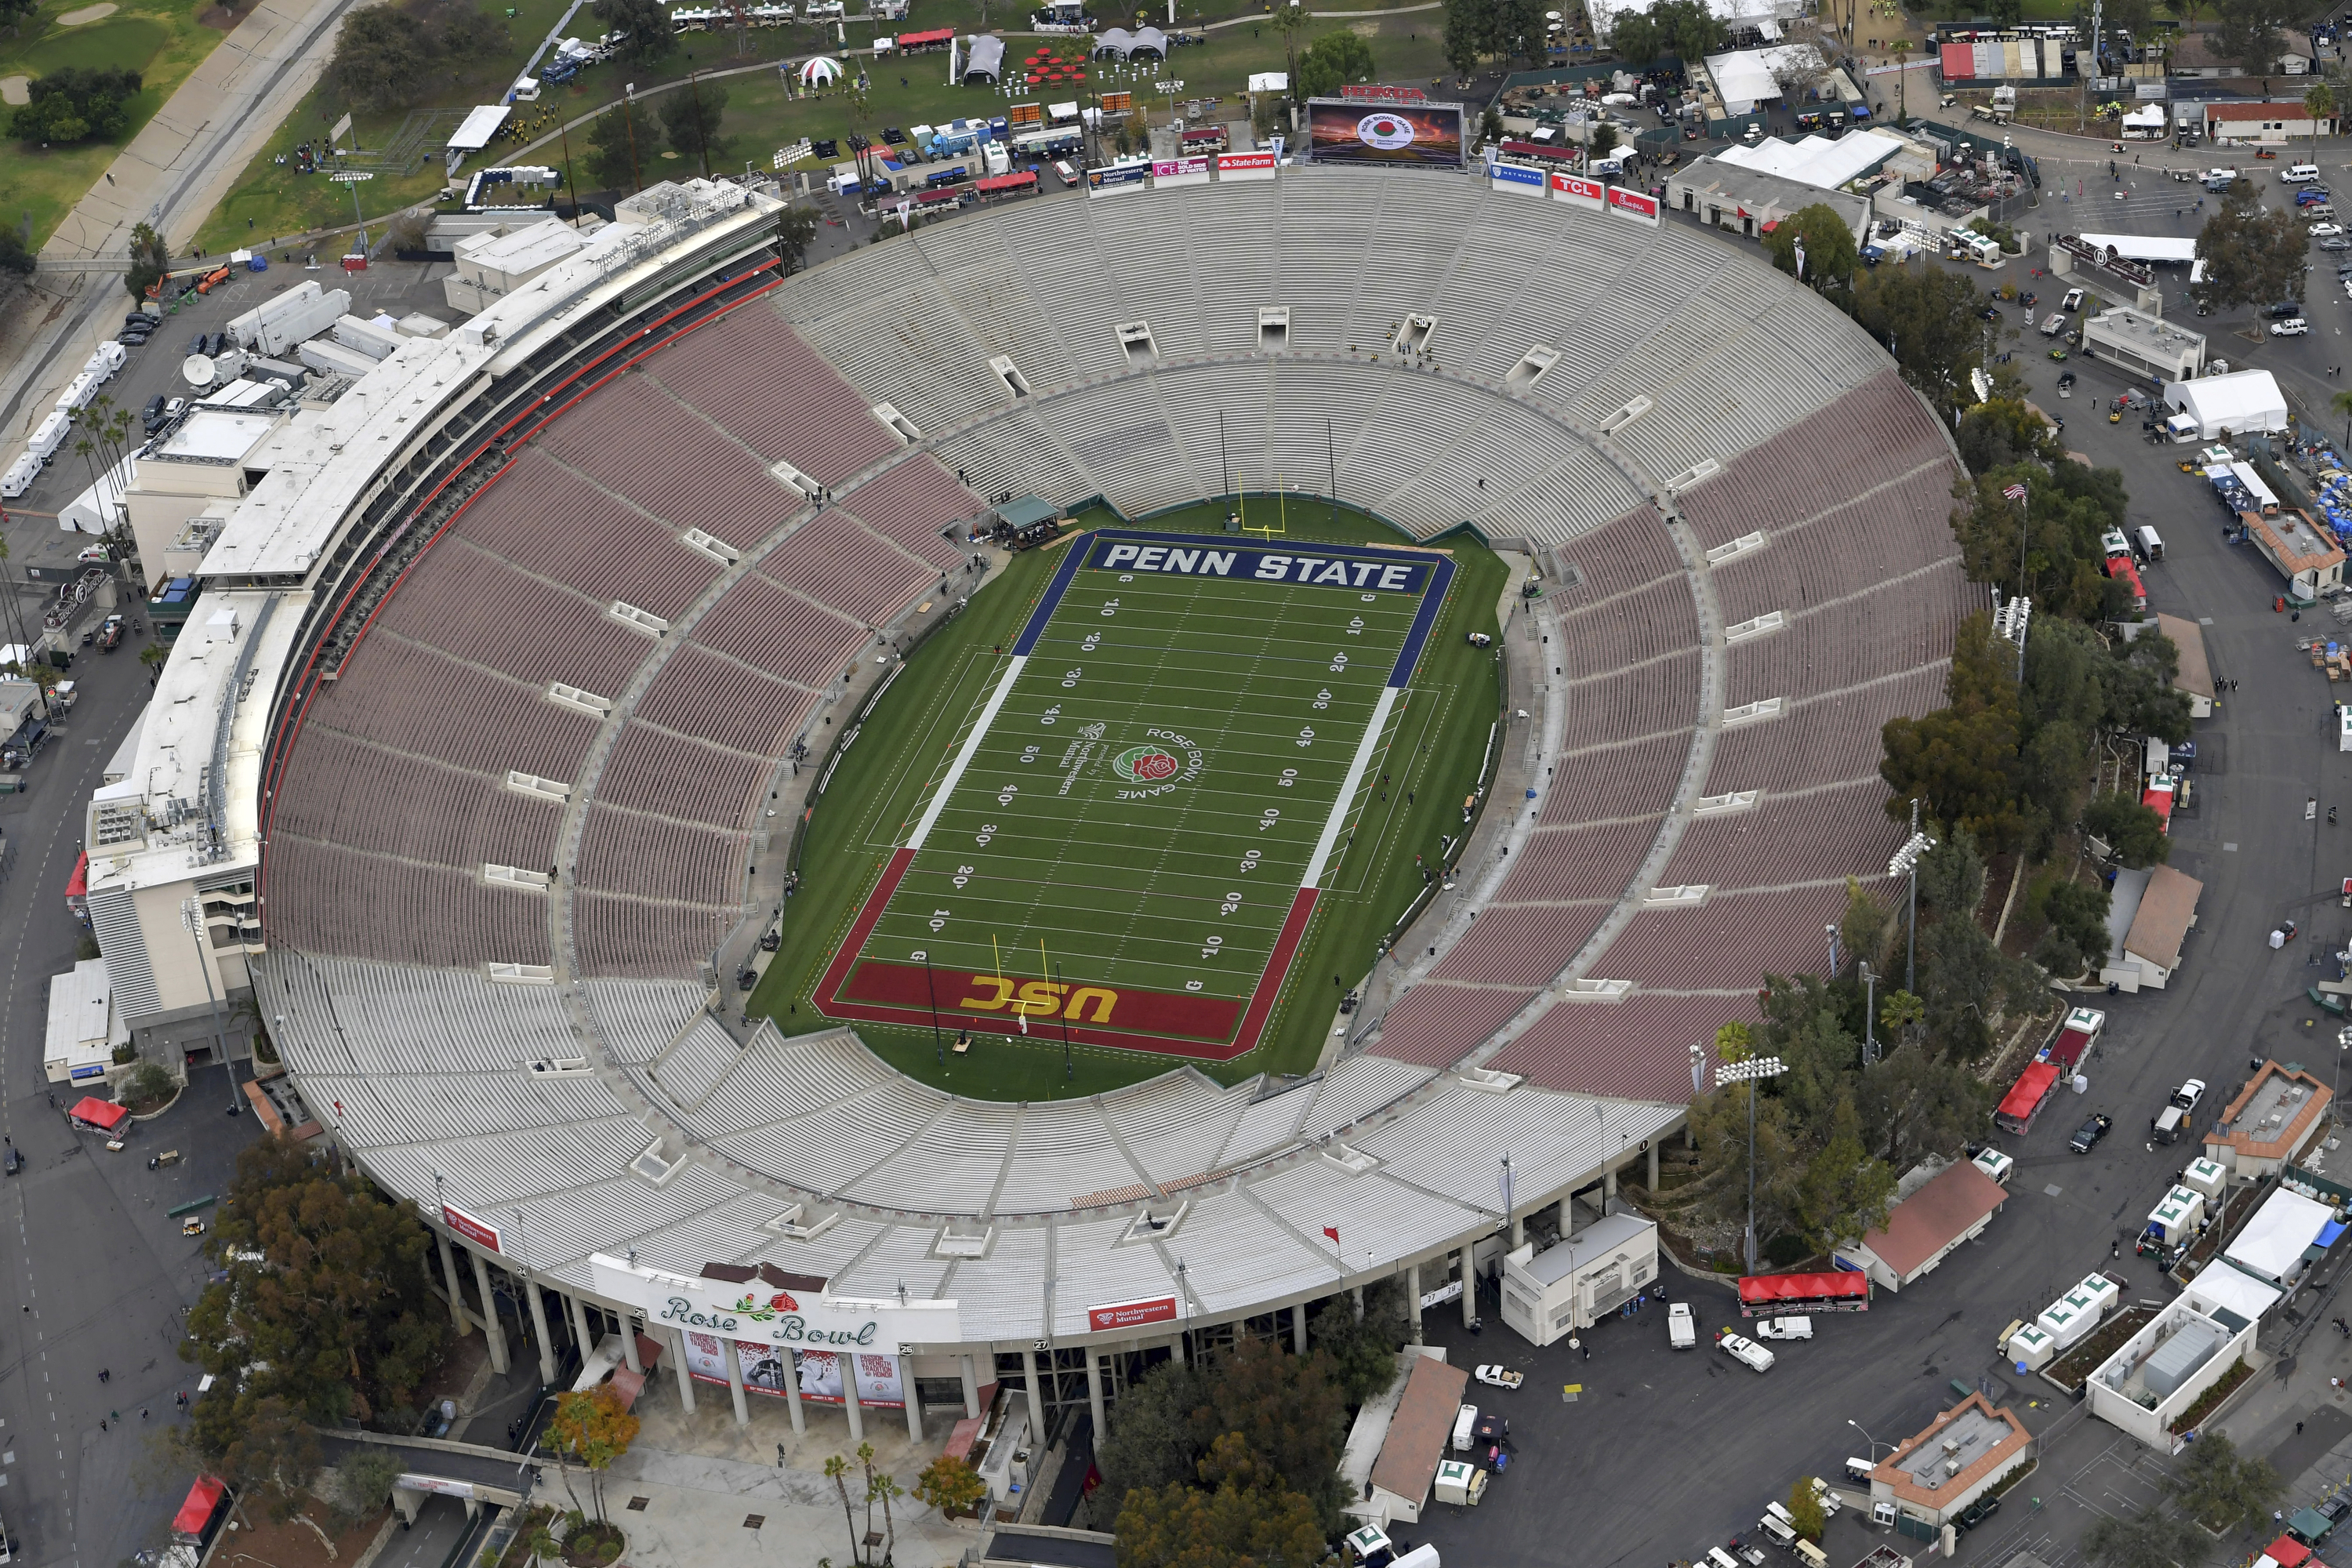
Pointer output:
x,y
1742,513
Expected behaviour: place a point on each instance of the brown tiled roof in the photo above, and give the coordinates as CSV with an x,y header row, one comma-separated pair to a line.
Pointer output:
x,y
2162,923
1419,1430
1922,1224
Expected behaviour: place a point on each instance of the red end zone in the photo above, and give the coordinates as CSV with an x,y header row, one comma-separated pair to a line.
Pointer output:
x,y
1164,1023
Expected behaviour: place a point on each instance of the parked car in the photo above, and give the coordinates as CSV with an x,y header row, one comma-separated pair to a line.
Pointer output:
x,y
2086,1136
1494,1375
2292,327
96,555
2073,302
2335,242
2190,1091
153,414
110,635
1682,1329
2326,230
2285,308
1785,1329
1744,1350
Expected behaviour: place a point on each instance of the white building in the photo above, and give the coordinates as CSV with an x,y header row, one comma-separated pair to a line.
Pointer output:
x,y
1551,1295
492,266
2148,1386
2242,402
2144,344
2148,920
83,1029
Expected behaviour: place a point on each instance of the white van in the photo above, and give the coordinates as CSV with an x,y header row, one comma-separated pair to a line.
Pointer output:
x,y
2166,1126
1464,1425
2148,543
2299,173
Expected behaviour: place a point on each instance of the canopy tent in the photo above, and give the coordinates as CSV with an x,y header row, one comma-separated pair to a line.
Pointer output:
x,y
196,1511
816,72
2271,1245
1120,43
1746,78
480,127
2147,117
1758,1289
101,1114
2227,1291
2242,402
985,60
1816,159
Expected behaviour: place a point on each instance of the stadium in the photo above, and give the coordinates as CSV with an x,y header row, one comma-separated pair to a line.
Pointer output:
x,y
529,658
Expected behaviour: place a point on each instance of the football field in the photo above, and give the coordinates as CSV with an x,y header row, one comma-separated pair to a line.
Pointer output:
x,y
1126,837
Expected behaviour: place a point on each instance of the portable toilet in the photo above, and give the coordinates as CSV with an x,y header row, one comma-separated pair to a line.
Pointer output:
x,y
2031,1348
2206,1178
1995,1163
2097,1292
2064,1322
2175,1219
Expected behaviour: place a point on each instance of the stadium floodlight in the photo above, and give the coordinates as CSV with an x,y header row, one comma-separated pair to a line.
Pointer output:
x,y
1748,1072
1905,863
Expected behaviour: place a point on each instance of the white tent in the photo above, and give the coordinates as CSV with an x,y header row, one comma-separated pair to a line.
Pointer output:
x,y
2271,1245
2226,1289
480,127
1745,78
1817,160
818,71
987,57
2244,401
2150,117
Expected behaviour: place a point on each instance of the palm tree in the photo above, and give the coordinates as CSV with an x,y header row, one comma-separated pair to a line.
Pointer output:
x,y
1902,79
2342,404
2319,103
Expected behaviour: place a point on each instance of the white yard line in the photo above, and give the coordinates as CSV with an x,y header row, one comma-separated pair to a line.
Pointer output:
x,y
1347,798
964,753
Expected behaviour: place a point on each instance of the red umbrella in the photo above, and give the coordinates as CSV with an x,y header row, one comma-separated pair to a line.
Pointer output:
x,y
1035,77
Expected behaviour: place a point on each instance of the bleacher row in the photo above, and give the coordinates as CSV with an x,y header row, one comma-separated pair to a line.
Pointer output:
x,y
396,795
1871,589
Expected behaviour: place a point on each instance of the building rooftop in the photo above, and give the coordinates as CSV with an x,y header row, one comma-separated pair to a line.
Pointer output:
x,y
210,434
1818,160
1419,1430
1923,1223
2140,330
2196,674
1964,1445
529,249
2296,544
1596,1240
2161,923
2273,1114
1757,188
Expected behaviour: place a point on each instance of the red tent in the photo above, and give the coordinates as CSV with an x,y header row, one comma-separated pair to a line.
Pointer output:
x,y
2287,1552
1762,1290
101,1114
204,1497
2034,1087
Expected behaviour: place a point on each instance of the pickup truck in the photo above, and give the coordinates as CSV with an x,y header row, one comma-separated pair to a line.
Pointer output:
x,y
1785,1329
1682,1334
2056,323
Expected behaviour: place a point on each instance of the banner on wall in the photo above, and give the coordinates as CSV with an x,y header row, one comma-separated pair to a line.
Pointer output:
x,y
880,1381
1517,177
1579,190
1245,165
1634,205
481,1233
1193,170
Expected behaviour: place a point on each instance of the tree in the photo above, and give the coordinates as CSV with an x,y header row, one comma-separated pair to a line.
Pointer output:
x,y
2149,1540
1335,61
1362,1351
2253,254
836,1470
646,21
1688,29
1153,1444
1957,762
2133,830
1250,1519
2320,104
611,148
14,12
2008,13
1635,38
384,59
321,1308
690,119
363,1481
1902,78
15,256
2246,32
949,1484
2222,1489
593,1428
2002,432
1952,877
1965,981
1466,29
1805,1509
1928,318
1828,244
76,103
2077,915
795,226
150,260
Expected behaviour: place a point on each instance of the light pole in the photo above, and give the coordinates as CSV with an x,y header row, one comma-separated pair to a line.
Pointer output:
x,y
1748,1072
1874,1444
1831,929
1905,863
2343,1043
1869,1014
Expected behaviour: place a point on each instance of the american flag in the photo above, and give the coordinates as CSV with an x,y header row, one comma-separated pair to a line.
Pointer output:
x,y
2015,492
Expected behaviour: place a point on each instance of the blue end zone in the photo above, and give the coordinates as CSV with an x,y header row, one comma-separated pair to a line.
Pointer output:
x,y
1063,576
1432,599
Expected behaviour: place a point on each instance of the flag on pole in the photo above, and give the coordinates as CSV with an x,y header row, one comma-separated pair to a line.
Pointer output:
x,y
1333,1231
2015,492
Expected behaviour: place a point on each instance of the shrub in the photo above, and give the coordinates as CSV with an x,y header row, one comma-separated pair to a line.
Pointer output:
x,y
75,104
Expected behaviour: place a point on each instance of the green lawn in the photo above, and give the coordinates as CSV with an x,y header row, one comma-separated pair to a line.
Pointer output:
x,y
161,41
1123,887
270,200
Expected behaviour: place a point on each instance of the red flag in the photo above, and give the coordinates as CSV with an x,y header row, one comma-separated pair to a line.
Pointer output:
x,y
1094,1478
1333,1234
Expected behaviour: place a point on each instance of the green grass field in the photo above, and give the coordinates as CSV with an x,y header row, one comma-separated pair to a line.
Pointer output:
x,y
161,41
1125,887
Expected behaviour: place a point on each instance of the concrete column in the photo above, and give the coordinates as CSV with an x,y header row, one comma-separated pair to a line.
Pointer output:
x,y
1176,1348
1608,1188
735,1380
449,1275
491,1327
580,1328
1298,1327
1094,1394
970,1387
685,1373
793,1390
1037,1397
1469,1286
1413,1303
539,1327
914,1400
629,1343
1356,1294
849,1404
1518,1231
1567,1217
1654,1166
